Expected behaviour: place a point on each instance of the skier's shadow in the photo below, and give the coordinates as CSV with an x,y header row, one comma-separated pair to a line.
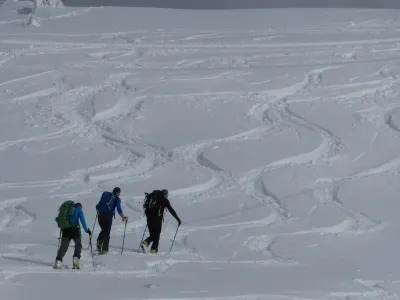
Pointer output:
x,y
26,260
23,7
25,10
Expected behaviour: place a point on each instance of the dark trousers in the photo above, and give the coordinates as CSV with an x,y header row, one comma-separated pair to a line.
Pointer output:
x,y
105,222
154,224
68,235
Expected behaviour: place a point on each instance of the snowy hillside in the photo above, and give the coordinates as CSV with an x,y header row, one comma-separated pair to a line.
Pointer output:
x,y
276,132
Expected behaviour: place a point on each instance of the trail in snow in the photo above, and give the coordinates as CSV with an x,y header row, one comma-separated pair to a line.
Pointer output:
x,y
230,121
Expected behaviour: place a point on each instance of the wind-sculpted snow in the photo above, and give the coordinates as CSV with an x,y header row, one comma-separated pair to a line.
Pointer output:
x,y
276,133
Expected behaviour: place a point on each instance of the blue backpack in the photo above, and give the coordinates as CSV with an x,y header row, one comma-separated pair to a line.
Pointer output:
x,y
107,203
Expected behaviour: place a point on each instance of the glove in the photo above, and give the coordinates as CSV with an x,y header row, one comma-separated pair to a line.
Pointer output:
x,y
89,232
125,219
179,222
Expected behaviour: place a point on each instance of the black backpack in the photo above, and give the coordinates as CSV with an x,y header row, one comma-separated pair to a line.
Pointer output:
x,y
152,203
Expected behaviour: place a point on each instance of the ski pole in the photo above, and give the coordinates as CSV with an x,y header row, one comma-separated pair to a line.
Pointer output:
x,y
123,240
91,252
174,239
142,239
90,240
59,240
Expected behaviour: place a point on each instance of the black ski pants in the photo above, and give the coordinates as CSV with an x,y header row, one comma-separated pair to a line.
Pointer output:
x,y
68,235
105,222
154,223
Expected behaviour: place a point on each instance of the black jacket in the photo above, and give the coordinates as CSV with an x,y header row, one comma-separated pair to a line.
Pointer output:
x,y
164,204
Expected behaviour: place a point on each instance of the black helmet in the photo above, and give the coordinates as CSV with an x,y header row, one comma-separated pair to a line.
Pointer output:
x,y
165,192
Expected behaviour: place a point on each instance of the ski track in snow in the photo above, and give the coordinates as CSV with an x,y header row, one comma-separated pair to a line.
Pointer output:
x,y
128,59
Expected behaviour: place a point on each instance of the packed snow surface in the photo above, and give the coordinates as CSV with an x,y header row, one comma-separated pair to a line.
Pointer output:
x,y
276,132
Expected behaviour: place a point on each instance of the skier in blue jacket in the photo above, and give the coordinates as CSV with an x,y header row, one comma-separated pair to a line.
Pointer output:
x,y
106,212
72,233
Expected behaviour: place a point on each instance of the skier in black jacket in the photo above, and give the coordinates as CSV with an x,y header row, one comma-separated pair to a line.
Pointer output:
x,y
154,206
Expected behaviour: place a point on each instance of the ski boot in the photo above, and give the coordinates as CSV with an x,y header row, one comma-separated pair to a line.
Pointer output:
x,y
76,263
142,245
58,265
99,246
153,251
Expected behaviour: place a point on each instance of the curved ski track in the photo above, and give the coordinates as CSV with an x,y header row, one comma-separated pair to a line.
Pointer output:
x,y
136,159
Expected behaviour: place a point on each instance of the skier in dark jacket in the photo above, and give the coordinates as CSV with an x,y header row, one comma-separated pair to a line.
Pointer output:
x,y
155,205
106,212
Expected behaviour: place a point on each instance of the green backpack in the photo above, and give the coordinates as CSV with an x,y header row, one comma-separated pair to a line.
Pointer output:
x,y
65,213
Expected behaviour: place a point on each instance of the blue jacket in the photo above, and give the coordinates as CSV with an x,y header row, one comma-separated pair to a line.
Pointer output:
x,y
107,205
78,216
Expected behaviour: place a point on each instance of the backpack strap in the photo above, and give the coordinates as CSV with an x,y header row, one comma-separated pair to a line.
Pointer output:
x,y
109,202
144,203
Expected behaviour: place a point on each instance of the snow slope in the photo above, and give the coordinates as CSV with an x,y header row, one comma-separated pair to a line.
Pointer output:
x,y
276,132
